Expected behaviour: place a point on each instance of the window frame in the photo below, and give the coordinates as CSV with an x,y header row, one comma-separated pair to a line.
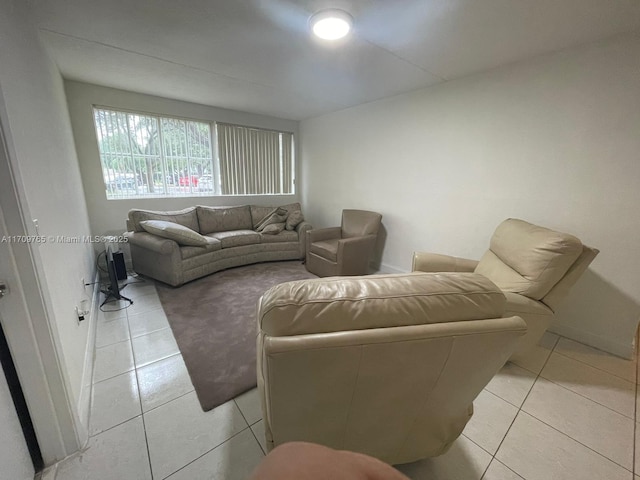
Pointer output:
x,y
163,158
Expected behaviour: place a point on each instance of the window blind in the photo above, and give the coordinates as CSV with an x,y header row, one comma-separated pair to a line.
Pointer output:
x,y
254,161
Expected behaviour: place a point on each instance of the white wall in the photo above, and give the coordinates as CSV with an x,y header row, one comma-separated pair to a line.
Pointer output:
x,y
15,462
555,141
45,166
109,216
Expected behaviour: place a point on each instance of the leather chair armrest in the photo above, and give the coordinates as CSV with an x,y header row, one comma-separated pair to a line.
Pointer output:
x,y
320,234
434,262
354,253
152,242
352,245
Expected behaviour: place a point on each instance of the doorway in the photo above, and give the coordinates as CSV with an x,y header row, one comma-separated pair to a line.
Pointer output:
x,y
20,404
26,325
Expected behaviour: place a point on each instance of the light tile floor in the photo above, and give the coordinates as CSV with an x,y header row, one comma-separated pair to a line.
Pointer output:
x,y
568,411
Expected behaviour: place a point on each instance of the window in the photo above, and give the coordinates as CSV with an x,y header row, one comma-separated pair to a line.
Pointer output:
x,y
254,161
146,156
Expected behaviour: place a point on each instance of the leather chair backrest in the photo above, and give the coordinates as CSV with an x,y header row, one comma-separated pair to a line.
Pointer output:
x,y
527,259
561,289
386,365
358,223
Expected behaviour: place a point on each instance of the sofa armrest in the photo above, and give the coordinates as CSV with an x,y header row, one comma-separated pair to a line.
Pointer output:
x,y
302,229
434,262
152,242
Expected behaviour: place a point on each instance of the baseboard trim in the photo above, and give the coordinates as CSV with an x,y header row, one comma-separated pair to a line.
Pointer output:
x,y
386,268
84,400
624,350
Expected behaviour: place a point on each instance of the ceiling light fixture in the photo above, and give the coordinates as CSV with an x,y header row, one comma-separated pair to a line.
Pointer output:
x,y
331,24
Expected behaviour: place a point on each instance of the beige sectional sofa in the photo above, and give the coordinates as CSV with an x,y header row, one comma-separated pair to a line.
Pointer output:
x,y
215,238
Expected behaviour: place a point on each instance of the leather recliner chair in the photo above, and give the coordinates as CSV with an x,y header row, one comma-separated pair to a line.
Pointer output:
x,y
386,365
344,250
535,268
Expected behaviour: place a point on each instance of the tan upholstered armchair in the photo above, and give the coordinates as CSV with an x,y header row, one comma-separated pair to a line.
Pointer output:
x,y
534,267
387,365
344,250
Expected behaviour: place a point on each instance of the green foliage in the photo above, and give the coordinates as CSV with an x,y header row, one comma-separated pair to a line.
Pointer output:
x,y
153,151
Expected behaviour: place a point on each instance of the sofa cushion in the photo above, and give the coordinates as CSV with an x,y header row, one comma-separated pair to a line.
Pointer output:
x,y
326,249
273,228
292,207
259,212
284,236
278,215
173,231
236,238
294,219
223,219
187,217
528,259
213,244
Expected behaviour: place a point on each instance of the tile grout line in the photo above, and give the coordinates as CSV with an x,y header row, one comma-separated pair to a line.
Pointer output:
x,y
605,406
250,425
256,438
568,389
114,426
501,463
520,408
578,442
168,401
560,431
144,425
180,396
583,363
587,398
598,368
205,453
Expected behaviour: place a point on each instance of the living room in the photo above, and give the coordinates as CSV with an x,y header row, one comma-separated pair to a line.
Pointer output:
x,y
547,133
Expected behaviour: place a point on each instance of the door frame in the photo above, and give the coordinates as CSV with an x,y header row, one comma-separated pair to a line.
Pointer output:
x,y
26,317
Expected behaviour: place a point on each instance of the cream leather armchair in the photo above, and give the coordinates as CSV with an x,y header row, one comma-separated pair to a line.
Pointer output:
x,y
386,365
535,268
344,250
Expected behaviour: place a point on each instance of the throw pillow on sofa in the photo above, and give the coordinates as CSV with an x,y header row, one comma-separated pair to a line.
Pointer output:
x,y
173,231
273,229
294,219
278,215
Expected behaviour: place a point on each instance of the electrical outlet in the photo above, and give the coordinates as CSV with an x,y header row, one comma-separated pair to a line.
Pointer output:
x,y
82,310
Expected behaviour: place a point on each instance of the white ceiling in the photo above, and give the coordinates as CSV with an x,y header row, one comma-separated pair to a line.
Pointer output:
x,y
258,56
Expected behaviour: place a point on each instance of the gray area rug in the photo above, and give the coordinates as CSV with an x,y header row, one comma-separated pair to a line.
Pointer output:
x,y
214,322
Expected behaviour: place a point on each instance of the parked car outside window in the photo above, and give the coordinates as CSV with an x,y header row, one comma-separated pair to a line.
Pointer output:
x,y
205,183
188,180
